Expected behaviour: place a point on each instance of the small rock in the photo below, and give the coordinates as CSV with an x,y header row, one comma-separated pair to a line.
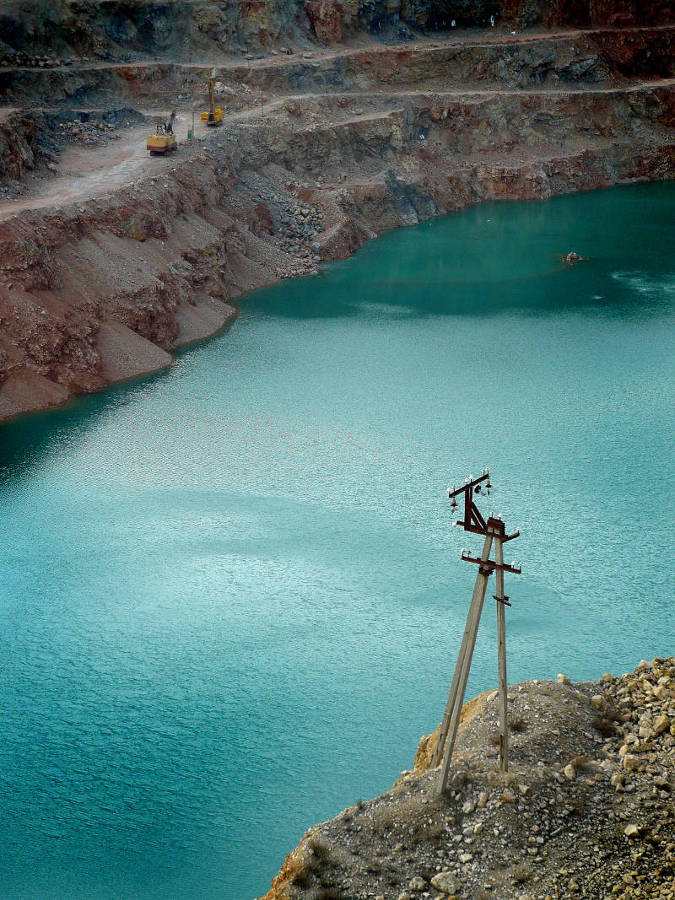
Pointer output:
x,y
661,724
417,883
617,781
570,772
563,679
631,830
508,796
446,882
482,799
597,701
631,763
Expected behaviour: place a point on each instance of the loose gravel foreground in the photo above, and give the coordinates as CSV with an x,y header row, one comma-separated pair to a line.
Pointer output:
x,y
586,809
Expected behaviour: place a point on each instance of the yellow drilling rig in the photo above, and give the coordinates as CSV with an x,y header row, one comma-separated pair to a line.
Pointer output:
x,y
214,116
163,140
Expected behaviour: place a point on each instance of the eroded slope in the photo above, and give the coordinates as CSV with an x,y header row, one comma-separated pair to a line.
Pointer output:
x,y
109,259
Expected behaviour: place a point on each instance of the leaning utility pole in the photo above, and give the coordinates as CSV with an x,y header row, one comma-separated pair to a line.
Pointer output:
x,y
493,531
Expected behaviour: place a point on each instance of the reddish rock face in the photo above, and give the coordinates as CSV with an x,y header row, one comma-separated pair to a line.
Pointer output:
x,y
261,220
326,17
580,13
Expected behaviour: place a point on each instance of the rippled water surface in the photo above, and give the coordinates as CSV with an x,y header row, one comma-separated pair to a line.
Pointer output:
x,y
230,594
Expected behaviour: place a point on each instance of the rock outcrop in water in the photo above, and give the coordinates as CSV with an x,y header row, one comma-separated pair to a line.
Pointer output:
x,y
109,259
585,811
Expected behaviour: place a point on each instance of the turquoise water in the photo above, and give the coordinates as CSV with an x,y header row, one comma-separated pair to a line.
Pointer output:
x,y
230,593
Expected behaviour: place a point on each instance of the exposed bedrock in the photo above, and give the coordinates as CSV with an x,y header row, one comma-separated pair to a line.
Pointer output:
x,y
18,151
179,27
574,60
104,289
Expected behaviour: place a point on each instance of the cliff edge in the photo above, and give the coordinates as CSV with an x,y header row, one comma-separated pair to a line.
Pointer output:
x,y
585,811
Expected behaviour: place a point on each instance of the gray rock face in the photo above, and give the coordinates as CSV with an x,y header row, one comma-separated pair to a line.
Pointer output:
x,y
177,28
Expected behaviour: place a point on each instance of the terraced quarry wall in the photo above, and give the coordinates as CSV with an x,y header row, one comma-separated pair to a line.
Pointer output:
x,y
183,27
109,259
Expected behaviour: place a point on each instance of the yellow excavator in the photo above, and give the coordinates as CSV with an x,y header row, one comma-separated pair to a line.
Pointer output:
x,y
215,114
163,140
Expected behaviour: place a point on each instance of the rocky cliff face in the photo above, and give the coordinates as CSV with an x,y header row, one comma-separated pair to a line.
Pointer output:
x,y
182,28
110,259
101,276
584,811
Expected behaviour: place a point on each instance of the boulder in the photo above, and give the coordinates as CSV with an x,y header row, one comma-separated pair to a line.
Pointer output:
x,y
445,882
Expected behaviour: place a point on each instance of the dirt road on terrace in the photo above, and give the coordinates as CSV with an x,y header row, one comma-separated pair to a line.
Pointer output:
x,y
457,38
85,173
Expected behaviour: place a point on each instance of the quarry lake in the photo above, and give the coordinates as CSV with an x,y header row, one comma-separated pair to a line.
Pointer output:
x,y
231,598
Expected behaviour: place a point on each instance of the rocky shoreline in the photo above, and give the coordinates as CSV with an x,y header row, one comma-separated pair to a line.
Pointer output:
x,y
586,809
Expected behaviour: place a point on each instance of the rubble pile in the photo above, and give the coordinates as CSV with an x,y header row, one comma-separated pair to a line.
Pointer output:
x,y
299,227
12,57
90,133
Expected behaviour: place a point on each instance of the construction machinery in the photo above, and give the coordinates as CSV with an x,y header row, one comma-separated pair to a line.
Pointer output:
x,y
163,140
215,114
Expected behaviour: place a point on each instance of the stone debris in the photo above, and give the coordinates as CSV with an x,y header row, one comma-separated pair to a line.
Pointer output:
x,y
571,819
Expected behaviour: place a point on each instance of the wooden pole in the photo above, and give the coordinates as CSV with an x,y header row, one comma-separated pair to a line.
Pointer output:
x,y
501,640
473,621
456,678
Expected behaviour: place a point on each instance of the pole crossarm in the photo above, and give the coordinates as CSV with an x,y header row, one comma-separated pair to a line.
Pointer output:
x,y
490,564
468,485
